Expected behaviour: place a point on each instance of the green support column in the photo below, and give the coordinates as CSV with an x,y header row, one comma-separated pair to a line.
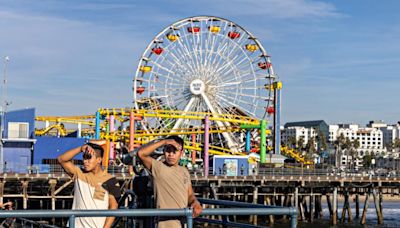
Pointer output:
x,y
263,146
263,135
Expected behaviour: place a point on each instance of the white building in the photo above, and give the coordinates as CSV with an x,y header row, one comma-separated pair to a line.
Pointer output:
x,y
297,133
370,141
390,134
377,124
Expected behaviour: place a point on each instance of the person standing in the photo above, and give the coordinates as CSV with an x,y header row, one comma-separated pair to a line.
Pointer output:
x,y
172,184
94,188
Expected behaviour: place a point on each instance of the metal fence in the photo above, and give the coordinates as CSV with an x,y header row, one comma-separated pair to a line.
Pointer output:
x,y
187,212
262,171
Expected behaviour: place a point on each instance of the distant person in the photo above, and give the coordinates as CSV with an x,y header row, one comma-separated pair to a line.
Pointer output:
x,y
242,170
172,185
224,169
8,222
95,189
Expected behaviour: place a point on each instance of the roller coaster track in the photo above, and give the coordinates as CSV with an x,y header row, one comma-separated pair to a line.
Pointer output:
x,y
290,152
215,150
60,129
176,114
122,115
86,120
295,155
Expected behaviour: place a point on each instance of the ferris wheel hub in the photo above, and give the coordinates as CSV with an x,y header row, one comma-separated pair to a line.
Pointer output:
x,y
197,87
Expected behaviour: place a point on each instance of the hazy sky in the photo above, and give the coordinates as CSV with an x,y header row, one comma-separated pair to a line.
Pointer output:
x,y
338,60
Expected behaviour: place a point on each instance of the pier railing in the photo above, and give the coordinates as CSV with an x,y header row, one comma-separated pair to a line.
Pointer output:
x,y
291,211
293,171
187,212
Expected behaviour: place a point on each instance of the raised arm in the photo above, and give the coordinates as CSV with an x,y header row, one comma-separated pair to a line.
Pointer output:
x,y
145,151
65,159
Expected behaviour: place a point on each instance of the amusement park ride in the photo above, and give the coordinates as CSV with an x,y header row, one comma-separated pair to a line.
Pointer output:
x,y
196,69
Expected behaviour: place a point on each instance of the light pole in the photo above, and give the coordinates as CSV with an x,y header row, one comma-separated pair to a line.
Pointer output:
x,y
4,104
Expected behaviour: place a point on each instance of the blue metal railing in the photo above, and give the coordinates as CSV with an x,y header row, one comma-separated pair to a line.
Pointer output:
x,y
230,203
187,212
291,211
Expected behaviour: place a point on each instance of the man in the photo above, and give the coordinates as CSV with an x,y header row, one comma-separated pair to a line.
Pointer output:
x,y
172,185
95,189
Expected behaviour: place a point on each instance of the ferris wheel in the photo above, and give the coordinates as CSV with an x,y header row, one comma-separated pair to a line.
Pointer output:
x,y
204,64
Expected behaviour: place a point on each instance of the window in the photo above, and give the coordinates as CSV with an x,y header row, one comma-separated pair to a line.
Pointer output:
x,y
18,130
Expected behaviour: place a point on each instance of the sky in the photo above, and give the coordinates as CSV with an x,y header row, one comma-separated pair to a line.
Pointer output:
x,y
338,60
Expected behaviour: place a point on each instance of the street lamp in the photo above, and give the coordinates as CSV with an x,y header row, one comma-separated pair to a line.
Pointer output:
x,y
4,104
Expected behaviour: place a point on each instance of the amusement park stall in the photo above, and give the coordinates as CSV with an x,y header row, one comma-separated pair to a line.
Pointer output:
x,y
232,166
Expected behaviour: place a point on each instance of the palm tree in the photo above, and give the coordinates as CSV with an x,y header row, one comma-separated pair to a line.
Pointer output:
x,y
389,146
367,161
292,142
300,143
348,146
310,147
396,144
354,147
340,140
321,140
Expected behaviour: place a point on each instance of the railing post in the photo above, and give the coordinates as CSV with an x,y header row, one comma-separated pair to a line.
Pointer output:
x,y
293,221
206,145
72,221
189,217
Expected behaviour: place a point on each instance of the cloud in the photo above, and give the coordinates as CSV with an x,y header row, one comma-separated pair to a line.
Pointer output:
x,y
272,9
68,60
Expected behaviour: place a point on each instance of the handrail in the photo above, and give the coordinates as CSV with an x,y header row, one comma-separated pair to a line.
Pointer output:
x,y
186,212
229,203
225,222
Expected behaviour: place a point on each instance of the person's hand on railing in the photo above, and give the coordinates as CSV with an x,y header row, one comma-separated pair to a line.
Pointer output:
x,y
6,206
197,208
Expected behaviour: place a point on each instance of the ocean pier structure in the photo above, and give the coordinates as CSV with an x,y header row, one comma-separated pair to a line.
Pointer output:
x,y
302,189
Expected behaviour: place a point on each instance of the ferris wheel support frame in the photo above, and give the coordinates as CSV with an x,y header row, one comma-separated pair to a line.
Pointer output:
x,y
231,144
187,108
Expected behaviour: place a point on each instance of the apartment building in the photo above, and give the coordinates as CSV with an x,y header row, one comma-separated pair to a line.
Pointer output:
x,y
370,141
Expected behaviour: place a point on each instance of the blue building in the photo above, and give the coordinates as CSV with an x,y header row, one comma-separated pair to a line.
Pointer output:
x,y
18,140
48,148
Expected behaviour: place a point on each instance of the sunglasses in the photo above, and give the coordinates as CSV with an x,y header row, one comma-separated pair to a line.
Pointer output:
x,y
170,148
86,156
